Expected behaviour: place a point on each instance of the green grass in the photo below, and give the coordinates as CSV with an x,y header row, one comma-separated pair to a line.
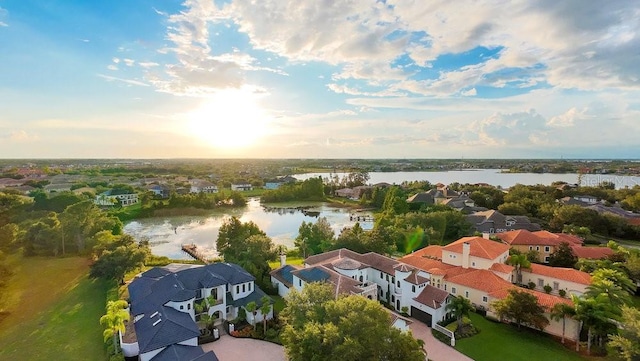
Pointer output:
x,y
497,341
53,311
295,261
128,213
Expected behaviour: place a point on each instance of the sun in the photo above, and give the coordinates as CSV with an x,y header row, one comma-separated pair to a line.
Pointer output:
x,y
232,118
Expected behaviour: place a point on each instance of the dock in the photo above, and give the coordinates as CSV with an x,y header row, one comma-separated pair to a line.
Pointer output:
x,y
192,250
360,218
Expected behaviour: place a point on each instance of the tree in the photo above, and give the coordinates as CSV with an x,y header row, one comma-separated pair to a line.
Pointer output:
x,y
563,256
319,327
265,307
314,238
113,321
522,308
561,311
8,237
617,277
615,295
117,258
627,341
252,308
592,312
460,306
519,261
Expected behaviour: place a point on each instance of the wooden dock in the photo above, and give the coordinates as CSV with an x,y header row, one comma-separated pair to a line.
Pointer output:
x,y
192,250
360,218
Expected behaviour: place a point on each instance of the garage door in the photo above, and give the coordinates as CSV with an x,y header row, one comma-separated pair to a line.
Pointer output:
x,y
421,316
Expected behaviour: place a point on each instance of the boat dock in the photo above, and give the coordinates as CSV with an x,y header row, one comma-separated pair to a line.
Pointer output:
x,y
192,250
360,217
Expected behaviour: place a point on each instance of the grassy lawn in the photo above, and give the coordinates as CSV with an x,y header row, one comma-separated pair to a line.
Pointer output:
x,y
53,311
498,341
295,261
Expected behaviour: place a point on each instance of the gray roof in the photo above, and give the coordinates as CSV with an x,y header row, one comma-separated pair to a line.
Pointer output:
x,y
147,294
166,327
284,274
254,296
423,197
184,353
312,275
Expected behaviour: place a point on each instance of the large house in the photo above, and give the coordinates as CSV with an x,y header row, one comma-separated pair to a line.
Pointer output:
x,y
371,275
162,307
110,198
241,187
203,186
492,222
474,267
159,190
545,244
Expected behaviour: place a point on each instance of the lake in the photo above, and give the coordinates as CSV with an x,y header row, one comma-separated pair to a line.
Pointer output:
x,y
167,234
490,176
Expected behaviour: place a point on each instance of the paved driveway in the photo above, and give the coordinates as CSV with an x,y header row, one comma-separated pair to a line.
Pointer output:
x,y
436,350
229,348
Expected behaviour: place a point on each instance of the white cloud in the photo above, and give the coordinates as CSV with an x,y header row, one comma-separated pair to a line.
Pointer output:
x,y
567,119
112,67
126,81
115,60
20,136
129,62
469,93
4,13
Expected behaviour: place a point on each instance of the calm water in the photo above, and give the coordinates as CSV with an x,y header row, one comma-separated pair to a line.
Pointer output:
x,y
490,176
167,234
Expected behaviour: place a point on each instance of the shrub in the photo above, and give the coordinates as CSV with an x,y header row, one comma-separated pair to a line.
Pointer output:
x,y
562,293
531,285
547,288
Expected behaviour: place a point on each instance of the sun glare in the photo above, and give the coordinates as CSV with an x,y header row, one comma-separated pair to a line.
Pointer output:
x,y
232,118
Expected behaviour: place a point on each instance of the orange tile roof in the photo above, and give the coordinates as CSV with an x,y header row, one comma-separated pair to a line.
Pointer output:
x,y
432,297
429,252
501,267
523,237
424,263
592,252
561,237
567,274
480,279
545,300
479,247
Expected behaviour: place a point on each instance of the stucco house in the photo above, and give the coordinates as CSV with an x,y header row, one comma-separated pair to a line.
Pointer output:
x,y
371,275
162,307
159,190
110,198
202,186
492,222
241,187
474,267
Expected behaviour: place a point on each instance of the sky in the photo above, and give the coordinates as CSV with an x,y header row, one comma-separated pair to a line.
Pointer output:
x,y
319,79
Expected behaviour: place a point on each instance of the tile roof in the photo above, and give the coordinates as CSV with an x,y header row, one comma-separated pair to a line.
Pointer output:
x,y
415,279
424,263
501,267
166,327
562,237
374,260
284,274
433,251
545,300
482,280
432,297
592,252
479,247
567,274
523,237
184,353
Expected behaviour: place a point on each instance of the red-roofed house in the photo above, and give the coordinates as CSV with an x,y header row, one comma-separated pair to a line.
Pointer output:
x,y
568,279
592,252
482,253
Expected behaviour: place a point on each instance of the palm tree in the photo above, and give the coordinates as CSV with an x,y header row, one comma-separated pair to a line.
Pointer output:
x,y
561,311
460,306
252,307
113,320
592,313
519,261
264,309
616,296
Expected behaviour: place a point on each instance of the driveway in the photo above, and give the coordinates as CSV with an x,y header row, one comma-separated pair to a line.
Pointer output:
x,y
436,350
229,348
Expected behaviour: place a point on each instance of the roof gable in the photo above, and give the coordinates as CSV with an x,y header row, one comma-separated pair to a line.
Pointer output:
x,y
166,327
479,247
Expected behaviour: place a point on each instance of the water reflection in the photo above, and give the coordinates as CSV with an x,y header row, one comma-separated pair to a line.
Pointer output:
x,y
167,234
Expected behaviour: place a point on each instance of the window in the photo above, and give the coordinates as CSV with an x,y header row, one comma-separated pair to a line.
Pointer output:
x,y
393,298
530,248
381,275
556,285
453,290
484,299
413,288
300,283
393,279
547,249
537,248
188,306
243,287
540,282
237,288
473,264
182,307
361,279
546,259
445,286
250,286
466,294
398,283
387,278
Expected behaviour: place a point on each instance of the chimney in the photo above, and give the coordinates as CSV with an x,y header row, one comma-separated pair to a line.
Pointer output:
x,y
486,235
466,250
283,259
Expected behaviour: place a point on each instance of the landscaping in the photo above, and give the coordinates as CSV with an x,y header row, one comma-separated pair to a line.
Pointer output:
x,y
53,311
498,341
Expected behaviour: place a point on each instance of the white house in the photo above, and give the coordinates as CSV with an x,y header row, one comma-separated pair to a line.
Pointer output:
x,y
202,186
241,187
163,307
109,198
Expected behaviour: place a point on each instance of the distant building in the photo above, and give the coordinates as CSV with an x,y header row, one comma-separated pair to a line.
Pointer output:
x,y
203,186
495,222
108,198
159,190
241,187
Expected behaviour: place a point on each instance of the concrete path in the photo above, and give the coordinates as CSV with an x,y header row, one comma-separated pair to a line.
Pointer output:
x,y
229,348
436,350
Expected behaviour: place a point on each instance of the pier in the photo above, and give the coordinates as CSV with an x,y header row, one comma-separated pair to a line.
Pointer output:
x,y
360,218
192,250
